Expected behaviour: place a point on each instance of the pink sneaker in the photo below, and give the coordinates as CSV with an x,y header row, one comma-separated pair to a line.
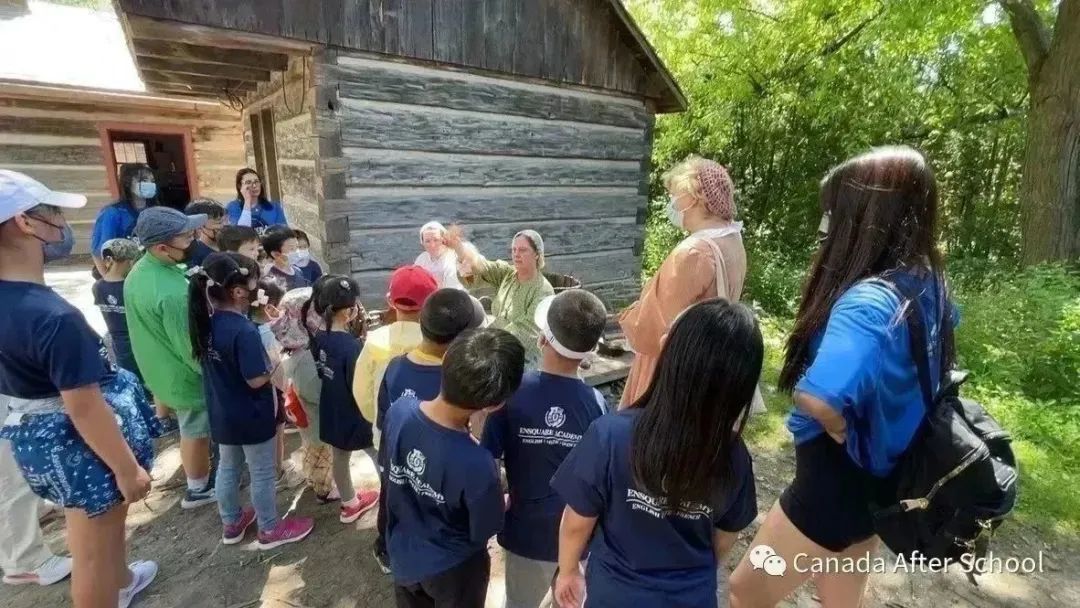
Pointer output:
x,y
365,501
234,533
288,530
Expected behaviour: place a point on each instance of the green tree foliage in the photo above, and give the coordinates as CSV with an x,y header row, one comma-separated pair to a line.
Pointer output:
x,y
780,90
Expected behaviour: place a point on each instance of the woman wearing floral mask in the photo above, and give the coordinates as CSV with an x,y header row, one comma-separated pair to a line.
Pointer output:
x,y
709,263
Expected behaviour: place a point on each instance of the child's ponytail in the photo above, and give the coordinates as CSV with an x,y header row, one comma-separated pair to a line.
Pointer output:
x,y
199,315
211,283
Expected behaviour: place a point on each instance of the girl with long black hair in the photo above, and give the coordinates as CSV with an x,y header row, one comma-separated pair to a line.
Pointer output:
x,y
850,371
138,190
239,398
336,300
663,487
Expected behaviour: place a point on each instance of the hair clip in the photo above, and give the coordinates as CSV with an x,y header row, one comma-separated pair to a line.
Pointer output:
x,y
261,299
243,271
210,282
344,283
194,270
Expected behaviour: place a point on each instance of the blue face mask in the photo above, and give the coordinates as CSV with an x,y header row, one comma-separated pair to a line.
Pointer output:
x,y
57,250
147,190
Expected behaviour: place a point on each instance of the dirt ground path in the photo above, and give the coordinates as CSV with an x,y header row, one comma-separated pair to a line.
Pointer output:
x,y
334,567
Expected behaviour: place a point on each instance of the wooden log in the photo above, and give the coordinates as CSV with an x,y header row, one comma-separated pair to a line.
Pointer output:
x,y
368,167
400,127
409,84
275,62
238,24
449,40
375,249
196,83
70,127
405,208
50,155
598,268
78,179
213,70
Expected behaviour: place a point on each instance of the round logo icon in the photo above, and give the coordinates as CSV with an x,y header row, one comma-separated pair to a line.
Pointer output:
x,y
111,299
416,461
555,417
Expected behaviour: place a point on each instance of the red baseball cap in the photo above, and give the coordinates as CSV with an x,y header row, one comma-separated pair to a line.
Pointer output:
x,y
410,286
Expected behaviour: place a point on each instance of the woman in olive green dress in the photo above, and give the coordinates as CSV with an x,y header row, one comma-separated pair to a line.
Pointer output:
x,y
519,286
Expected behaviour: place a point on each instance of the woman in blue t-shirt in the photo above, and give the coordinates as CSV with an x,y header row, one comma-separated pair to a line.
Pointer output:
x,y
664,487
251,207
80,429
138,190
239,399
850,370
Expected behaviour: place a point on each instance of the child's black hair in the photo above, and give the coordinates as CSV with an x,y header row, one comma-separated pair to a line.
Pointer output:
x,y
220,273
207,206
301,235
330,294
273,288
275,238
447,313
577,319
231,238
482,368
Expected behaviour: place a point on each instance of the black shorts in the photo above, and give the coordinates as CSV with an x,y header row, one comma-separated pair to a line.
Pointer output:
x,y
829,499
463,586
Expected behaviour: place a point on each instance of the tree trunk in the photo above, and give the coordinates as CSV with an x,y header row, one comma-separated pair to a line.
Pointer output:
x,y
1050,188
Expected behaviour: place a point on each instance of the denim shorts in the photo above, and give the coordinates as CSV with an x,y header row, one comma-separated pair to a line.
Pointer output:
x,y
59,466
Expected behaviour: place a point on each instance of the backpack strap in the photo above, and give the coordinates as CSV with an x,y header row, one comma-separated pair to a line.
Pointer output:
x,y
911,310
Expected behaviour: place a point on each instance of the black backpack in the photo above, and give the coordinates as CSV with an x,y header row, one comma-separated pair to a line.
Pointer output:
x,y
957,480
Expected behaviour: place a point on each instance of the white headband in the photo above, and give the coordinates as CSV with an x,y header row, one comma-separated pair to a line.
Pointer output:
x,y
541,319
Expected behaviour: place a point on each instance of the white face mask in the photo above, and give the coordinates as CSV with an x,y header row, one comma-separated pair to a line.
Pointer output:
x,y
294,257
674,214
302,257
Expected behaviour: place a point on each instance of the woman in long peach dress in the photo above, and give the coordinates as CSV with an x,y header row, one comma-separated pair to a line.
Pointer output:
x,y
709,263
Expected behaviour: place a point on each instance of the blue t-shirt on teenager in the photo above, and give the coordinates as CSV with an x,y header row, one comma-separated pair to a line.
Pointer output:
x,y
406,378
643,554
861,365
263,215
533,434
296,280
340,422
114,221
239,414
311,271
444,501
46,345
199,252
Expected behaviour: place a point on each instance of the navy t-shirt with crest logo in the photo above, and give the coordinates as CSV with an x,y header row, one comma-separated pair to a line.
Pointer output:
x,y
46,345
533,434
444,501
405,377
340,422
644,552
239,414
109,298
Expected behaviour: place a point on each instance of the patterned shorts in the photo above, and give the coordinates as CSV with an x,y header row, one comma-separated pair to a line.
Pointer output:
x,y
59,466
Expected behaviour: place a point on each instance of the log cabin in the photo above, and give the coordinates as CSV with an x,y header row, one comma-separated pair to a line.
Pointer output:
x,y
366,118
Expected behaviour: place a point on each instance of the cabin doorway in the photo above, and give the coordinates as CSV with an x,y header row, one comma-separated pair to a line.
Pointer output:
x,y
167,151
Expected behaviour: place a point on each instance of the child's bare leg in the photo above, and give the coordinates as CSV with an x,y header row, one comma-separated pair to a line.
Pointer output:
x,y
99,552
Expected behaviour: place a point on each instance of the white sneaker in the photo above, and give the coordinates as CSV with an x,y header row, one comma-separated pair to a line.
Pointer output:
x,y
54,570
142,574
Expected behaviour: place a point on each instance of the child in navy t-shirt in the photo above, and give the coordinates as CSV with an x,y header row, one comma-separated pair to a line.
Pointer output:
x,y
445,314
444,499
307,265
536,430
662,488
336,299
119,256
239,399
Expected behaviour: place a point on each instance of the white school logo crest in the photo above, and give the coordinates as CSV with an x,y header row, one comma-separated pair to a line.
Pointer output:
x,y
555,417
111,299
408,393
416,461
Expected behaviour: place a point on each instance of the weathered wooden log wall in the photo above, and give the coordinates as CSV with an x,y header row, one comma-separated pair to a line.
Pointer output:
x,y
53,135
293,106
402,144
